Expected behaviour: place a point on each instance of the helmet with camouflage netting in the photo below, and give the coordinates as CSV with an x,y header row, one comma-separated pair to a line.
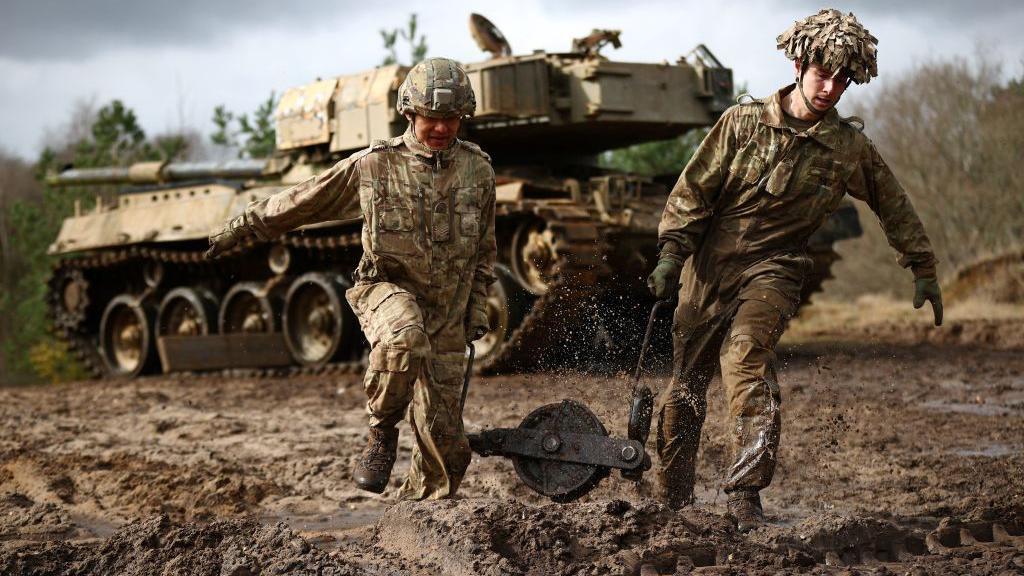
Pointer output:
x,y
835,41
437,87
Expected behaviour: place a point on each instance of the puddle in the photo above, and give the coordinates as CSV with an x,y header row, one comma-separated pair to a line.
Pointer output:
x,y
990,451
968,408
328,530
94,527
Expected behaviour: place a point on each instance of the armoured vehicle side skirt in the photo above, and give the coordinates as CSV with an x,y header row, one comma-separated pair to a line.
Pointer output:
x,y
218,351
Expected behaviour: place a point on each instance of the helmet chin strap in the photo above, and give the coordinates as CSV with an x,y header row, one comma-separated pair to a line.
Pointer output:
x,y
807,102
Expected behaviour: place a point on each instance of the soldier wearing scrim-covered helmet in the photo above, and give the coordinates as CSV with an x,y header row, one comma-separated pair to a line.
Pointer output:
x,y
420,291
733,240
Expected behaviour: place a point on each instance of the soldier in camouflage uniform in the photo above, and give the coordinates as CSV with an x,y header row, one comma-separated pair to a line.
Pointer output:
x,y
736,225
427,200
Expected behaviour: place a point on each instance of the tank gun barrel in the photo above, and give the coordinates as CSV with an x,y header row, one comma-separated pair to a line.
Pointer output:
x,y
161,172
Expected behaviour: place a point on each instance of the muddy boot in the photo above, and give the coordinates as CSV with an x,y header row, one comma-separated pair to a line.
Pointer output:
x,y
373,469
745,508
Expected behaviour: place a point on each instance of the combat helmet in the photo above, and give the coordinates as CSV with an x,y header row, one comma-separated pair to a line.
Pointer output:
x,y
437,87
834,41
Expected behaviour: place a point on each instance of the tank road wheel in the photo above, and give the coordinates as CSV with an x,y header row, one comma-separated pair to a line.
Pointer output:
x,y
70,299
534,258
187,311
246,308
318,324
507,303
497,316
126,337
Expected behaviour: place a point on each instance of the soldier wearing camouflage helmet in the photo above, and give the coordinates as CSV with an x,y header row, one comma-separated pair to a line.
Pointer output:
x,y
733,238
427,201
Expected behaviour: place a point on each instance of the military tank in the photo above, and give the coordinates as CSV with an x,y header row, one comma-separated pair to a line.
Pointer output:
x,y
132,293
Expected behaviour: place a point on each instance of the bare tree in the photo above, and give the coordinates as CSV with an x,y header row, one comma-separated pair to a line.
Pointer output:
x,y
952,131
62,139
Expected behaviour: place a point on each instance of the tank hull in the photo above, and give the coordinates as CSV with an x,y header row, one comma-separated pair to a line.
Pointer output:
x,y
572,261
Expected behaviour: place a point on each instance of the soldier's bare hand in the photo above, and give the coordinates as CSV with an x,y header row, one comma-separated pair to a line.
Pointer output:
x,y
928,289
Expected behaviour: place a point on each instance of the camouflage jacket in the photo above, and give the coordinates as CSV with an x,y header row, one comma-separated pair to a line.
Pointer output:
x,y
428,222
756,189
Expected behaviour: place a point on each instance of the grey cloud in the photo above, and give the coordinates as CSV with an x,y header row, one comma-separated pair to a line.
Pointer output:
x,y
76,29
944,12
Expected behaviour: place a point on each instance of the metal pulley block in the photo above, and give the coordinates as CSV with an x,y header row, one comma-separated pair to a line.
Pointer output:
x,y
561,450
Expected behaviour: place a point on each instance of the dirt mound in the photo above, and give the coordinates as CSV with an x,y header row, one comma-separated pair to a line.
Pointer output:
x,y
239,547
838,539
26,519
470,537
997,278
994,333
611,537
118,481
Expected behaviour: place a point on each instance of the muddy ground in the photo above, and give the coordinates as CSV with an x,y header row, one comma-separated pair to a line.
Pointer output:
x,y
902,453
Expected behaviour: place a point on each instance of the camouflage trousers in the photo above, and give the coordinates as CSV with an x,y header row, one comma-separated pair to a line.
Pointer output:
x,y
741,337
407,377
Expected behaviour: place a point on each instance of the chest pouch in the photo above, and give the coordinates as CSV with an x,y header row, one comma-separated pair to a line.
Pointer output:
x,y
778,179
441,222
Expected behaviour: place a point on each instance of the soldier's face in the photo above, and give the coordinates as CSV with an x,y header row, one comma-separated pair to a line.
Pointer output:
x,y
436,133
822,86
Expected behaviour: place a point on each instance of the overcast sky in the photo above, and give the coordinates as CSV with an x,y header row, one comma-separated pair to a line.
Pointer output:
x,y
173,61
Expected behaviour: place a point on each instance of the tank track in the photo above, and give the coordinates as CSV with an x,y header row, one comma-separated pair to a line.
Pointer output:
x,y
83,345
822,257
546,328
545,331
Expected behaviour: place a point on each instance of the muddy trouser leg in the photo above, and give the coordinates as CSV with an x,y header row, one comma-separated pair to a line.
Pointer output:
x,y
442,455
752,391
694,355
397,360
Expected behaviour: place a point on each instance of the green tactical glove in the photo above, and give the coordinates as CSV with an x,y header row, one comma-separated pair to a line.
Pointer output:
x,y
664,280
928,289
228,237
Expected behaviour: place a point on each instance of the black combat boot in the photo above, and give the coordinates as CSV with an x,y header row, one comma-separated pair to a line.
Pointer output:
x,y
745,508
373,469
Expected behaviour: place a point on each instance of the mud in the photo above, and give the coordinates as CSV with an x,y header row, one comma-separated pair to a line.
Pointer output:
x,y
901,454
237,547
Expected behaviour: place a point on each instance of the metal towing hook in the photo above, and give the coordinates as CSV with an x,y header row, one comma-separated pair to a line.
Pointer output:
x,y
562,450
